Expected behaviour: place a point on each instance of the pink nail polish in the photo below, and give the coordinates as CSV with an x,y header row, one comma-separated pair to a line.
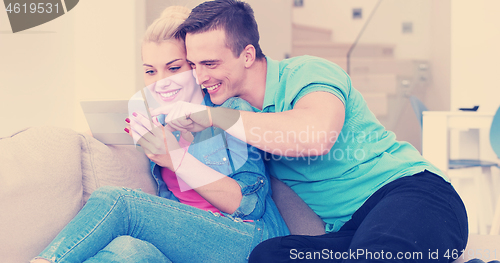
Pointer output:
x,y
126,130
127,120
135,114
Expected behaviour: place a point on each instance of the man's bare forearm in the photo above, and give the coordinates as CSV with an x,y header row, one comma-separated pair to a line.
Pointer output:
x,y
303,131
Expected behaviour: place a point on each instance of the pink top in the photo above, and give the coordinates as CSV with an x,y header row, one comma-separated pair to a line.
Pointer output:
x,y
189,197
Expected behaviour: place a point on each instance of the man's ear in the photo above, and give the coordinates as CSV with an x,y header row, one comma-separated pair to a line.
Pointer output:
x,y
249,55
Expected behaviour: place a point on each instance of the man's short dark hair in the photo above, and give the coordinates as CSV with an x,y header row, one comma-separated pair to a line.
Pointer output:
x,y
235,17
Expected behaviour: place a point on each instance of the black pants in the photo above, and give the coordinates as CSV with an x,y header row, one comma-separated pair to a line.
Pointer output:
x,y
416,218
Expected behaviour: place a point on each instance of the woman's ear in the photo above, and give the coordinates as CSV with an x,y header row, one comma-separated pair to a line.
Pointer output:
x,y
249,55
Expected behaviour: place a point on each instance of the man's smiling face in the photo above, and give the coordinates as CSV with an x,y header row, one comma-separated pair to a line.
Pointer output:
x,y
217,69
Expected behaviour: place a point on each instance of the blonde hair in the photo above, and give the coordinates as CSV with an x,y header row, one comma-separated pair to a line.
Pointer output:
x,y
164,27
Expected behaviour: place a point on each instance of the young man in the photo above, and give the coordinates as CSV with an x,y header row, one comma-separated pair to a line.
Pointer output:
x,y
379,198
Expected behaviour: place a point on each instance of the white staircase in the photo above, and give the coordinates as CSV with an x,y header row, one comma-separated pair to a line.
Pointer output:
x,y
374,70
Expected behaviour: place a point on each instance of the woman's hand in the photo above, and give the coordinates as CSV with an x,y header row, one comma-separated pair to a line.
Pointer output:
x,y
159,144
184,116
162,148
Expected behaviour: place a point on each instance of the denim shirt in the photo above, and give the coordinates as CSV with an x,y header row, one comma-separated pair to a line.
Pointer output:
x,y
238,160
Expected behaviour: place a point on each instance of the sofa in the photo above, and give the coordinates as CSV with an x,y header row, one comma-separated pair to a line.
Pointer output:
x,y
48,173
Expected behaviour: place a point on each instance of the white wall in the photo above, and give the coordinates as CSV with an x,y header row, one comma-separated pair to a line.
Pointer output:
x,y
437,97
334,15
88,53
475,54
274,18
385,26
107,48
37,75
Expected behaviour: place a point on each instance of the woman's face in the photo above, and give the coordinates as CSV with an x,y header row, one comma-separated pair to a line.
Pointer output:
x,y
167,74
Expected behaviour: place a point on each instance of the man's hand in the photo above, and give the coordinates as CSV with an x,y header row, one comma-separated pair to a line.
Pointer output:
x,y
184,116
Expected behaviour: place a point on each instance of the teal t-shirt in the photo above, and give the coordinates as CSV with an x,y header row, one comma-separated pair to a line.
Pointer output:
x,y
364,157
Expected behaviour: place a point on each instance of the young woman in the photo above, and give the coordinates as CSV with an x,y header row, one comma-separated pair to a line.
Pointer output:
x,y
214,202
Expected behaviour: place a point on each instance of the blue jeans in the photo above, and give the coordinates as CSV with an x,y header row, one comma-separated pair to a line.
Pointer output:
x,y
180,232
127,249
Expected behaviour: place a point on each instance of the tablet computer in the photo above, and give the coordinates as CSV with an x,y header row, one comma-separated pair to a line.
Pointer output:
x,y
106,118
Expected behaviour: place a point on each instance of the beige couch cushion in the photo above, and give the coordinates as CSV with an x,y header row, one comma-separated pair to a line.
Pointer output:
x,y
120,165
299,217
46,174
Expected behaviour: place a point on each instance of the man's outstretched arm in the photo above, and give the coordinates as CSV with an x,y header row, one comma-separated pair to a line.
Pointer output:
x,y
309,129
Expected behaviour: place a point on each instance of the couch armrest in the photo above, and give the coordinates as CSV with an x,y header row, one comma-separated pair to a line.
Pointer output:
x,y
40,189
